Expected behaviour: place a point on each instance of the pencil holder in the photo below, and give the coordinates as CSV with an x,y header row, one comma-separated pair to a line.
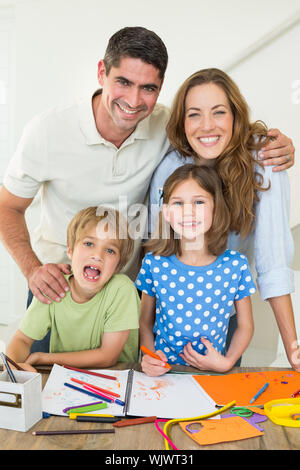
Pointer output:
x,y
21,402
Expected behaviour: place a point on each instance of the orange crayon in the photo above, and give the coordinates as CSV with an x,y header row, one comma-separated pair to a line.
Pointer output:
x,y
152,354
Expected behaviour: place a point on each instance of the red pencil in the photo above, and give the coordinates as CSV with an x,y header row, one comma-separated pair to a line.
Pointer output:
x,y
133,422
111,377
96,387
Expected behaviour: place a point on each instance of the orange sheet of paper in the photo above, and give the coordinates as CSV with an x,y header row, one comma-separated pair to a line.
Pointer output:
x,y
221,430
242,387
259,411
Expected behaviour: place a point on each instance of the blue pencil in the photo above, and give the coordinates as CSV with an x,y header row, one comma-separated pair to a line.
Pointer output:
x,y
103,397
88,393
259,392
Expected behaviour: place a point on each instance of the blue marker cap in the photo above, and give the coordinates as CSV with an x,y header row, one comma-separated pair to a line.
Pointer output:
x,y
119,402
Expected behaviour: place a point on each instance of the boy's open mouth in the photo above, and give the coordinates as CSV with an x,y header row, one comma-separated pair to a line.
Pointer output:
x,y
91,273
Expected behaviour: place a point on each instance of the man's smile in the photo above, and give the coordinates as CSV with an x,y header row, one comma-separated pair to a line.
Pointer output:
x,y
128,110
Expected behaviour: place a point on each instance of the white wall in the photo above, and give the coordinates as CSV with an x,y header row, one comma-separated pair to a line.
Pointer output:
x,y
59,42
270,80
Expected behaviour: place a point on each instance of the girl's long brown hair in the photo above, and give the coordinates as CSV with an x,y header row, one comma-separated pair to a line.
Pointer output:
x,y
164,241
236,165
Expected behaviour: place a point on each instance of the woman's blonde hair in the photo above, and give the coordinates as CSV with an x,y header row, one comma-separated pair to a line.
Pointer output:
x,y
165,242
90,217
236,164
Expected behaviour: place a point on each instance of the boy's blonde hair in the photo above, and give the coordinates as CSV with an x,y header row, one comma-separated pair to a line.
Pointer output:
x,y
111,219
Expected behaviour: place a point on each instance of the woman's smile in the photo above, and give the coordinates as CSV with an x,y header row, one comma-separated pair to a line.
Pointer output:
x,y
208,120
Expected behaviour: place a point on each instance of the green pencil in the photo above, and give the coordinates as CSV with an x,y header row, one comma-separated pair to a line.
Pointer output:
x,y
88,408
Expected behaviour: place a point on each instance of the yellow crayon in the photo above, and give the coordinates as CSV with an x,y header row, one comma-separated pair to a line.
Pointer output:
x,y
74,415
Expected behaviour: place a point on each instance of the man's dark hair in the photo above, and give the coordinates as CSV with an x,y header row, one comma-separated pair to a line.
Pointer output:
x,y
139,43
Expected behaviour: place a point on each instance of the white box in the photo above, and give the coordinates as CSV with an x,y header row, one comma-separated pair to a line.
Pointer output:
x,y
21,402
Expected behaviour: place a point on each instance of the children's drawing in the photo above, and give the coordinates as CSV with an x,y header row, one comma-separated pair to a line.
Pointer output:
x,y
56,397
170,396
156,391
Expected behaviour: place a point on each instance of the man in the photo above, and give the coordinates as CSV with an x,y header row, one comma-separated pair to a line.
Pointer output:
x,y
93,152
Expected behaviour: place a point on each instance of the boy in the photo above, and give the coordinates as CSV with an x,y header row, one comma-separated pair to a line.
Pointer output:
x,y
96,323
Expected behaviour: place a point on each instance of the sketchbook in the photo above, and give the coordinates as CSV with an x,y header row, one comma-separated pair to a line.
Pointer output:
x,y
168,396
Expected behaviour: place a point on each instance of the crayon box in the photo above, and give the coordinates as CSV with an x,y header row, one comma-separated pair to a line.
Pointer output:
x,y
21,402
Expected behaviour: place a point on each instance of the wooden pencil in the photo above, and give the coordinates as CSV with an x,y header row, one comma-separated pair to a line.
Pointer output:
x,y
8,369
85,371
73,431
13,363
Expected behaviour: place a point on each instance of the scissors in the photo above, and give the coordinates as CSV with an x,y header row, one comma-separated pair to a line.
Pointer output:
x,y
241,411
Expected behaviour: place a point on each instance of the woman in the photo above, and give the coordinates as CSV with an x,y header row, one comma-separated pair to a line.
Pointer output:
x,y
210,124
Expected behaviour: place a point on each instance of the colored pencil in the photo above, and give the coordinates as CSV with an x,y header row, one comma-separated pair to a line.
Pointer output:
x,y
8,369
259,392
85,371
155,356
74,415
74,431
105,397
13,363
95,395
95,386
135,421
96,419
88,409
73,408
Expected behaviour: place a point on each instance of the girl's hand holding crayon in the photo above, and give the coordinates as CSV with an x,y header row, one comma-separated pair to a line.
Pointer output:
x,y
154,367
212,360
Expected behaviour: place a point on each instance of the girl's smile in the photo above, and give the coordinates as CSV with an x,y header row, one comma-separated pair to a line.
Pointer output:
x,y
189,210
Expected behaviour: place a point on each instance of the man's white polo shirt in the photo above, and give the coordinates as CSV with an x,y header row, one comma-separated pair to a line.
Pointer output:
x,y
62,154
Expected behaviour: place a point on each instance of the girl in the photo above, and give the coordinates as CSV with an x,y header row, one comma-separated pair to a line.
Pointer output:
x,y
210,123
190,282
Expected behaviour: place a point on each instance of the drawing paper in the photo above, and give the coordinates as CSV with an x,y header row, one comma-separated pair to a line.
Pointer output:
x,y
56,396
241,387
168,396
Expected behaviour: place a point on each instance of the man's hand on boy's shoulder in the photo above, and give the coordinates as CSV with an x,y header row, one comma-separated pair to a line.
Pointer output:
x,y
48,280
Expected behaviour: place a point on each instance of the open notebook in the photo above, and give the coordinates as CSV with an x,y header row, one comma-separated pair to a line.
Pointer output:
x,y
168,396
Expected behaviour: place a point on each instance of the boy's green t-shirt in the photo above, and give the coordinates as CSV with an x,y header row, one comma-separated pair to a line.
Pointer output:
x,y
78,327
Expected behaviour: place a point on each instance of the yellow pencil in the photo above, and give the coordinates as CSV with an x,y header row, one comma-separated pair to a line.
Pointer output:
x,y
74,415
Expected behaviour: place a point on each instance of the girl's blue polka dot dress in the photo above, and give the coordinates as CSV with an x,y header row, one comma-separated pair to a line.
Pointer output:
x,y
193,301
